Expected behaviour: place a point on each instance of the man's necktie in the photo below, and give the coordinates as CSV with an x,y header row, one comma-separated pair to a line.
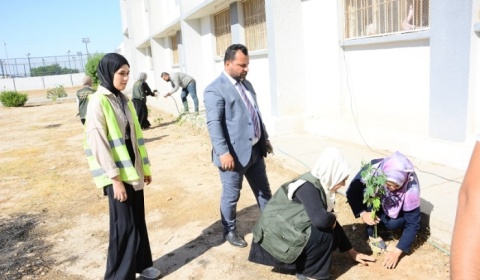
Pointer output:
x,y
251,110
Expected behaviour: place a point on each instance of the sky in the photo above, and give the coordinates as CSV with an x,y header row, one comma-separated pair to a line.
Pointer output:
x,y
54,27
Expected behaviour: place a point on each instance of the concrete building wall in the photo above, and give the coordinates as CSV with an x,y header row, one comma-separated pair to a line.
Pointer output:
x,y
141,27
450,66
387,92
474,94
45,82
322,60
170,11
287,91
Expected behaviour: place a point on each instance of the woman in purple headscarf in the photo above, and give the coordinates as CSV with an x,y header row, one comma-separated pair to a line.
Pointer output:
x,y
400,204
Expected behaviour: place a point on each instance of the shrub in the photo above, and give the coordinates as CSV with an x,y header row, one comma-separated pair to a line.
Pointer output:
x,y
91,67
13,98
57,92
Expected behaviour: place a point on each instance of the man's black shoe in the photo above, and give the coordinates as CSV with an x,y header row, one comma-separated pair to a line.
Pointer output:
x,y
235,239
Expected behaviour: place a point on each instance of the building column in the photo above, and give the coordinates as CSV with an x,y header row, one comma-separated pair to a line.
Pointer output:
x,y
285,43
450,35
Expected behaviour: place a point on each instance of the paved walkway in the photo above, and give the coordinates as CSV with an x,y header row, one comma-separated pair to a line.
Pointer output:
x,y
439,184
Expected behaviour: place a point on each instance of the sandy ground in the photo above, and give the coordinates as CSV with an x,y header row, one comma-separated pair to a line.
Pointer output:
x,y
54,222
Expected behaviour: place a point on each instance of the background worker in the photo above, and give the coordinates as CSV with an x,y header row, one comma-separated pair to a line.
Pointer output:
x,y
188,85
82,97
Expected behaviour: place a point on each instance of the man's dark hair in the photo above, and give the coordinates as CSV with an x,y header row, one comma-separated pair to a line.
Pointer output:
x,y
164,74
232,50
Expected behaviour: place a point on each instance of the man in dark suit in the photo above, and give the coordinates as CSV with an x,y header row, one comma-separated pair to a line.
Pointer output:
x,y
239,138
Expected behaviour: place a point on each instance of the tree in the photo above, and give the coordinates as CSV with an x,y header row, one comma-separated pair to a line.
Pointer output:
x,y
91,67
53,69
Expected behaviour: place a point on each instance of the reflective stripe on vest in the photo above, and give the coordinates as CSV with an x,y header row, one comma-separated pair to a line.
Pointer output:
x,y
119,150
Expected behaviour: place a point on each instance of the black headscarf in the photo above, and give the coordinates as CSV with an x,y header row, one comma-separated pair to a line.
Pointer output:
x,y
107,67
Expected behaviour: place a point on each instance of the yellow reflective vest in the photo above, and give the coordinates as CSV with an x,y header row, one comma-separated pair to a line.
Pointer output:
x,y
128,173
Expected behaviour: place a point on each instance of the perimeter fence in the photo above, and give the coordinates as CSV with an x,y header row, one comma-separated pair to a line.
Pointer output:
x,y
42,66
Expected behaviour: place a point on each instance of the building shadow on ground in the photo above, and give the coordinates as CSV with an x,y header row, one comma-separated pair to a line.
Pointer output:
x,y
210,237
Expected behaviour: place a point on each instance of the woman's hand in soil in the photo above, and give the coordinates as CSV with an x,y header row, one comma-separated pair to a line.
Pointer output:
x,y
360,258
367,218
391,258
119,192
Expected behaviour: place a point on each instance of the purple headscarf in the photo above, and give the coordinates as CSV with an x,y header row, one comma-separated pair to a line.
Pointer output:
x,y
400,170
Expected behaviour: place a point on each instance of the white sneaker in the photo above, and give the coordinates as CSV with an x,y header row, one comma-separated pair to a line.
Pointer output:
x,y
150,273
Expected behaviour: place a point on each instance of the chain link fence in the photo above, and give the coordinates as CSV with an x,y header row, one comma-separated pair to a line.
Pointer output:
x,y
42,66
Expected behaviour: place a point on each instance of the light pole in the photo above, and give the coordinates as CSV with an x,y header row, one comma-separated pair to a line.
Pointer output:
x,y
29,65
3,71
74,63
81,59
69,65
43,62
6,60
86,41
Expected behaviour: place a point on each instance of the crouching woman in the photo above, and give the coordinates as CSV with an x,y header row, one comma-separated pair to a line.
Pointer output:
x,y
298,230
400,205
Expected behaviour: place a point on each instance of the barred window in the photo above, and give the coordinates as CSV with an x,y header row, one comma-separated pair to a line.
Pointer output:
x,y
255,24
365,18
174,45
223,31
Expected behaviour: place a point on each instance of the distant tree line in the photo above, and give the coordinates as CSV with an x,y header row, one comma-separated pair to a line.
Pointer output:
x,y
53,69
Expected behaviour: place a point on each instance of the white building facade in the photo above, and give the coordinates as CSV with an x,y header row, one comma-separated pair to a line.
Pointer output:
x,y
393,75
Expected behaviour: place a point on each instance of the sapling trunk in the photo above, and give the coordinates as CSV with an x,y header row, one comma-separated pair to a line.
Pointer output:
x,y
375,234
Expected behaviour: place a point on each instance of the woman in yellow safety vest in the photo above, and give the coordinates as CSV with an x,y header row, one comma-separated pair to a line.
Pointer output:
x,y
119,164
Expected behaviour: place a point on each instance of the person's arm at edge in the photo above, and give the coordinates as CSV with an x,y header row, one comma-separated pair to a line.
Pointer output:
x,y
464,249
